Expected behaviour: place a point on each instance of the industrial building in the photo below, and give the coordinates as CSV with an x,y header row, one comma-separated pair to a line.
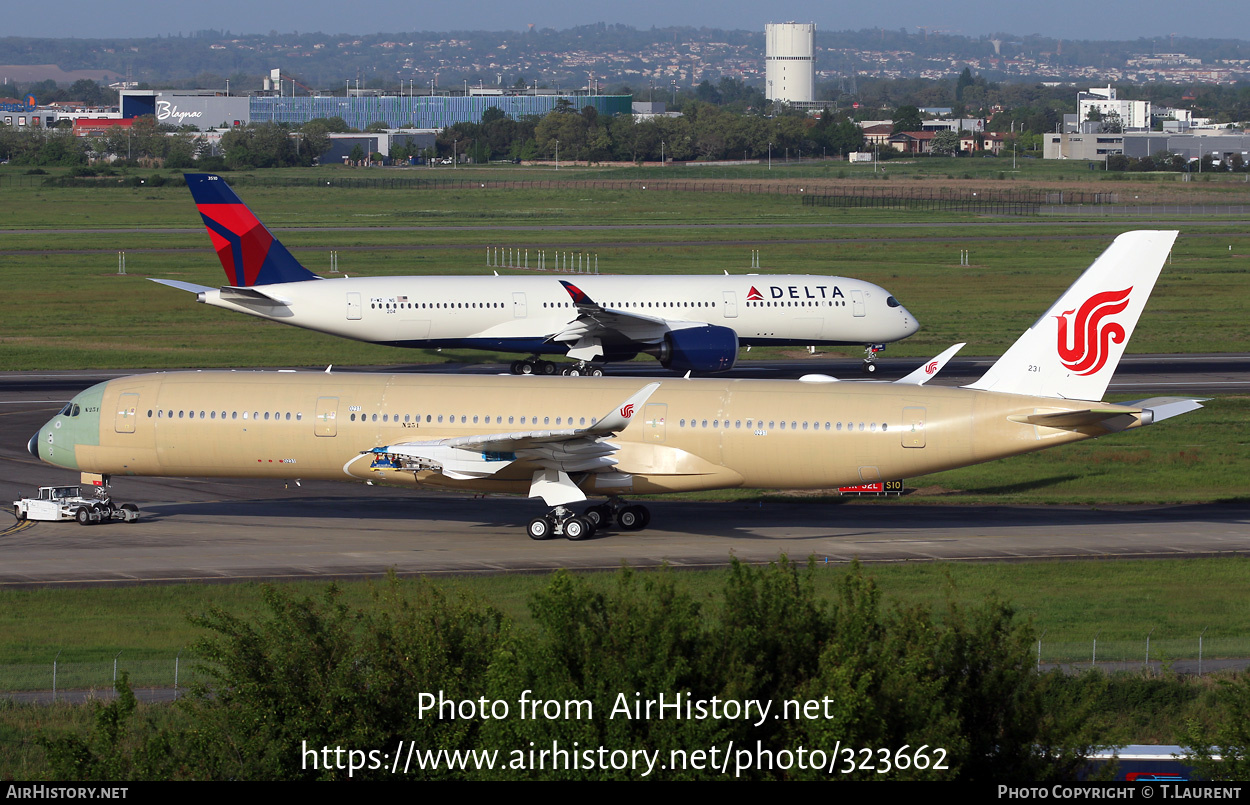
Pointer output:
x,y
210,109
789,61
1220,147
1102,100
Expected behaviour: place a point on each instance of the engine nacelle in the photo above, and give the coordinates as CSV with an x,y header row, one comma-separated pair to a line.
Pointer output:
x,y
699,349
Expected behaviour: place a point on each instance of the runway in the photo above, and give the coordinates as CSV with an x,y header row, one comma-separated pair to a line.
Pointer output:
x,y
212,530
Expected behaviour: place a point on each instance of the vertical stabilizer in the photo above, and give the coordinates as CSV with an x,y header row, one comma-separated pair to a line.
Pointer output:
x,y
249,253
1072,351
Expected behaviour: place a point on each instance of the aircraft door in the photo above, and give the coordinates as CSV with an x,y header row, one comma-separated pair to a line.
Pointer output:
x,y
518,305
656,414
353,307
326,422
857,302
913,427
731,304
127,406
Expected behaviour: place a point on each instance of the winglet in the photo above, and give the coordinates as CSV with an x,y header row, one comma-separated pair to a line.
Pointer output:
x,y
579,297
929,370
1072,351
249,253
620,417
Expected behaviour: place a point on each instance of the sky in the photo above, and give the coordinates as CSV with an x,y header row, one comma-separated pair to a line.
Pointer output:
x,y
1067,19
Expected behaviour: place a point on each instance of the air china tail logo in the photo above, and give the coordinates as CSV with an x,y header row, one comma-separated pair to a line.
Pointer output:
x,y
628,411
931,368
754,295
1085,351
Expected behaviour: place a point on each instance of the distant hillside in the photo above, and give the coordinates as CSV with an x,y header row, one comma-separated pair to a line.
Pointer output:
x,y
653,60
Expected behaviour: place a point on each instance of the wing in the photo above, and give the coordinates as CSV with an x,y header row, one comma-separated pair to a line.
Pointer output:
x,y
596,325
553,453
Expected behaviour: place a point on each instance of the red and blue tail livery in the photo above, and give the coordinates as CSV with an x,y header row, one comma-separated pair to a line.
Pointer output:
x,y
249,253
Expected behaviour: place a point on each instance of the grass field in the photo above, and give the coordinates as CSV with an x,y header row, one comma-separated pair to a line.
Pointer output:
x,y
77,313
1118,601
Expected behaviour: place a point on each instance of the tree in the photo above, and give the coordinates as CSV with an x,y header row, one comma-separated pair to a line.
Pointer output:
x,y
945,143
907,118
965,81
1228,740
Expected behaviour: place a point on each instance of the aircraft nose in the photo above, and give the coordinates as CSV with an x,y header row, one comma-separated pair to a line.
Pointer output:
x,y
33,445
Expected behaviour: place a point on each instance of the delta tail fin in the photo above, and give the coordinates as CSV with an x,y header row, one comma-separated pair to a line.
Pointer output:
x,y
249,253
1072,351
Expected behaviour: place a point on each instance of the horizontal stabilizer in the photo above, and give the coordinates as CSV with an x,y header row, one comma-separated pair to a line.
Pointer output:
x,y
1111,419
252,296
191,287
1161,408
1117,417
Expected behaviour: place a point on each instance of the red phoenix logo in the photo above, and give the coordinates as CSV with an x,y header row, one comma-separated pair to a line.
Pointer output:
x,y
754,295
628,411
1086,350
931,368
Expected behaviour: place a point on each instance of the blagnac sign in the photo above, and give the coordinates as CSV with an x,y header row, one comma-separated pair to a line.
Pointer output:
x,y
168,111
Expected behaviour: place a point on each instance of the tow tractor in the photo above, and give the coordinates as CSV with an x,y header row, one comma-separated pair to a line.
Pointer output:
x,y
68,503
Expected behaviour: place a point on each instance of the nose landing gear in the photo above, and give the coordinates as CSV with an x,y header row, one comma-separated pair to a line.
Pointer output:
x,y
870,358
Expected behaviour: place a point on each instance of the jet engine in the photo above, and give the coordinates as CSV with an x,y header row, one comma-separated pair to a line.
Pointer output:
x,y
698,349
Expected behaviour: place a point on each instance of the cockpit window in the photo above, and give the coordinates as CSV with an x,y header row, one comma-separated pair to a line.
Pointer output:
x,y
891,301
65,411
76,411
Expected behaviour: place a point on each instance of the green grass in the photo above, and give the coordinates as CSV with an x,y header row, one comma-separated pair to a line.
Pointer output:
x,y
1119,601
76,313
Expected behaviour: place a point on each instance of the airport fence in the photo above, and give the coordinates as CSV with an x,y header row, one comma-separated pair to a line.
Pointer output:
x,y
1196,655
66,674
941,199
1199,654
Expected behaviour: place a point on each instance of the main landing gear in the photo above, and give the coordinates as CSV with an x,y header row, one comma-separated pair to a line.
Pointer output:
x,y
870,358
561,521
533,365
582,369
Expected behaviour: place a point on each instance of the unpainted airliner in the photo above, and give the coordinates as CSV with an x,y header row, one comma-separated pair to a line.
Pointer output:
x,y
690,323
566,439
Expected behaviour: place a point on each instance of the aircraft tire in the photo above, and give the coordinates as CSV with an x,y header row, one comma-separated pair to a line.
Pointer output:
x,y
598,515
596,372
515,368
632,518
546,368
578,528
539,528
870,368
527,368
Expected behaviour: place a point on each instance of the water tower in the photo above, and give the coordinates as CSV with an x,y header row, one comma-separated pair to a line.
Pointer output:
x,y
789,60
